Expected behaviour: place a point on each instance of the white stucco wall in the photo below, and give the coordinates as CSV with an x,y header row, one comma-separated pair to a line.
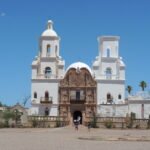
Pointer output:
x,y
112,110
137,108
114,88
53,44
104,66
40,87
51,64
112,45
146,110
34,110
34,73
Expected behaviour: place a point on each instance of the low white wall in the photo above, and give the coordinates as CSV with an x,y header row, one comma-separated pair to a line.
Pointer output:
x,y
112,110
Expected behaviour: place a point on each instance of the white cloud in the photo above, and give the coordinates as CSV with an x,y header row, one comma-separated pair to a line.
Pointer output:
x,y
2,14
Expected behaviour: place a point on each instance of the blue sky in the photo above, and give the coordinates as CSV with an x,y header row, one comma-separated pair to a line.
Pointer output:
x,y
78,23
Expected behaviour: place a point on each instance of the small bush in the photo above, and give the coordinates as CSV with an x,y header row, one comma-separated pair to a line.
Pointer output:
x,y
129,120
108,124
148,123
137,126
12,125
34,123
1,125
94,122
58,123
6,124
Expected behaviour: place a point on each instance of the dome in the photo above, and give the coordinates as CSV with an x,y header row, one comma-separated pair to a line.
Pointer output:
x,y
49,31
79,65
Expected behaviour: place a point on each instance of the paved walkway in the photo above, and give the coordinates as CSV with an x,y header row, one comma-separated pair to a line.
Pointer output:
x,y
68,139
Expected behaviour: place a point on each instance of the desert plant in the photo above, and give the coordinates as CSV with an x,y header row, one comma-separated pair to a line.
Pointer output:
x,y
130,120
1,125
1,104
137,126
108,124
7,115
94,121
143,85
58,122
34,123
148,123
129,89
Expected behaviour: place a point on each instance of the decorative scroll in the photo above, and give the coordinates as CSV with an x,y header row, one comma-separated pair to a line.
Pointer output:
x,y
78,79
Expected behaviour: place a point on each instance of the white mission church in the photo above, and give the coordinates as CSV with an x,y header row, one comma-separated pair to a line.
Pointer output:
x,y
80,90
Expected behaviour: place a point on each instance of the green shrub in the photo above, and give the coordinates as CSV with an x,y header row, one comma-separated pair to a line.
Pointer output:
x,y
129,121
108,124
58,122
6,124
148,123
34,123
1,125
94,122
137,126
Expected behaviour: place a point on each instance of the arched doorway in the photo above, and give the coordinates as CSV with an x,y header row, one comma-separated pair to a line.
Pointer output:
x,y
77,115
46,111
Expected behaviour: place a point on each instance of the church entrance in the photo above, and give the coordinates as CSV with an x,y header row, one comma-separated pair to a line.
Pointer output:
x,y
77,92
77,115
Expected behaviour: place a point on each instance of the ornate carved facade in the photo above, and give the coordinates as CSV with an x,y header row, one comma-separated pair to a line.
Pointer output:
x,y
77,94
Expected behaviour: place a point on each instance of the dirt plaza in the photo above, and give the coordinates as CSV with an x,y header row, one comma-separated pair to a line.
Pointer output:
x,y
67,138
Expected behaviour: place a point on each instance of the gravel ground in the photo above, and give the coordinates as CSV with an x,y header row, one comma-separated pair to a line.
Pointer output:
x,y
68,139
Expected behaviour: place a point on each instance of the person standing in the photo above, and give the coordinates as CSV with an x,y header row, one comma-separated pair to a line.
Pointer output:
x,y
76,125
78,119
89,126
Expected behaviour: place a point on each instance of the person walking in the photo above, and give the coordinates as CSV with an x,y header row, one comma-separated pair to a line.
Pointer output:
x,y
89,126
76,125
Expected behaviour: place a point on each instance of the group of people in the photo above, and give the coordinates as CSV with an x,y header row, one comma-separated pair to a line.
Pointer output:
x,y
77,122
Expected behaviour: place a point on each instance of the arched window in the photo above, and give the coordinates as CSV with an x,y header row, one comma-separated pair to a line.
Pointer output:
x,y
48,49
108,73
48,72
46,111
35,95
109,98
46,95
108,52
77,95
119,96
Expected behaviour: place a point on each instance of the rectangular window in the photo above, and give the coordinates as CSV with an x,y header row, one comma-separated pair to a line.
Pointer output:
x,y
77,95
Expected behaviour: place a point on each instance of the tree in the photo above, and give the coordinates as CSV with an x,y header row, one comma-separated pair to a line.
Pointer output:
x,y
143,85
17,115
94,121
25,100
7,115
1,104
129,89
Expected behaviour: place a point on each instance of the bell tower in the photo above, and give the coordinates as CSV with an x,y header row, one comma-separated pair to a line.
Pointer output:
x,y
49,42
109,71
47,70
49,63
108,46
